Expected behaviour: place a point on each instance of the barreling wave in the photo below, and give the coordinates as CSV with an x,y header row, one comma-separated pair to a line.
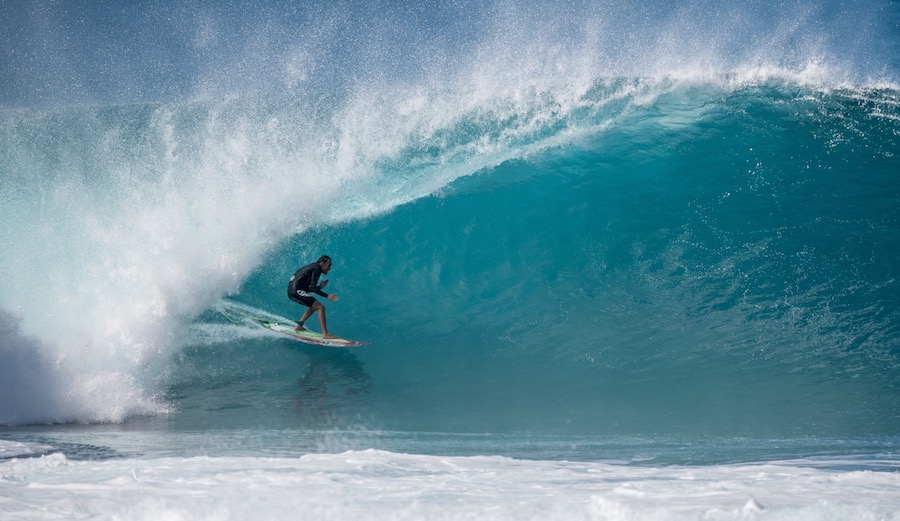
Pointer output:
x,y
716,263
599,236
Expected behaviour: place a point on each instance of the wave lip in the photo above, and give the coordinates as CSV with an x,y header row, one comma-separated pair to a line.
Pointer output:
x,y
213,52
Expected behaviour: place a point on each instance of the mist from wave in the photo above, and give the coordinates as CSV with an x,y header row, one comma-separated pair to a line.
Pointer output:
x,y
131,205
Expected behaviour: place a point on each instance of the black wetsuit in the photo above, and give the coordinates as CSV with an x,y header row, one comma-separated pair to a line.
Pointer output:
x,y
304,282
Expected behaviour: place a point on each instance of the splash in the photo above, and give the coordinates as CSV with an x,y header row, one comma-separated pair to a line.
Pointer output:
x,y
130,205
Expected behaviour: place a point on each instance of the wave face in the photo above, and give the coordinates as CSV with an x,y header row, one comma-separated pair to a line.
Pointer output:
x,y
541,221
730,268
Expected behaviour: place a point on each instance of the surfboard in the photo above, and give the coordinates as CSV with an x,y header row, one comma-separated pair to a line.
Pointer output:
x,y
242,314
310,337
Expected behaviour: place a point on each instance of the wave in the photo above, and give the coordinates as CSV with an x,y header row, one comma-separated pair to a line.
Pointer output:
x,y
125,221
723,270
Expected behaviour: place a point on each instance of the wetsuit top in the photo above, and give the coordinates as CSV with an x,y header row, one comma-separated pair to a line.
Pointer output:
x,y
306,279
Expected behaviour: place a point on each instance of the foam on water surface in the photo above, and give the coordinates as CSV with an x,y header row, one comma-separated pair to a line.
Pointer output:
x,y
375,484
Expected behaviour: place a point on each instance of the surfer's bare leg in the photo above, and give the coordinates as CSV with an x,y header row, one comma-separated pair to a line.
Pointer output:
x,y
316,307
325,333
304,318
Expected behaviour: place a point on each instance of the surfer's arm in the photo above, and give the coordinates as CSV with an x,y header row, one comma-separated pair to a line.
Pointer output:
x,y
318,289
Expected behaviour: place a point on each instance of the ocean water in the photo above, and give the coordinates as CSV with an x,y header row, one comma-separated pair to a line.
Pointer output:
x,y
613,261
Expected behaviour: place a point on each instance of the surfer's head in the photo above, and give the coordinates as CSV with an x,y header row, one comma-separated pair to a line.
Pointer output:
x,y
324,263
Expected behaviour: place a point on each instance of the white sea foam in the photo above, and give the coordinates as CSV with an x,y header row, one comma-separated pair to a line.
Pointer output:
x,y
13,449
383,485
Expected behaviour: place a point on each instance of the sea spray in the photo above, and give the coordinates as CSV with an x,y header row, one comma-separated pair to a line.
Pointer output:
x,y
132,202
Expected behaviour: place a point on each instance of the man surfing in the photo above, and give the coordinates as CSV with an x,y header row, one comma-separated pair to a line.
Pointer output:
x,y
306,281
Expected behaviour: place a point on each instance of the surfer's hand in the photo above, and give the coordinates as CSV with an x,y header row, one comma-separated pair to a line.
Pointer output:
x,y
323,284
333,297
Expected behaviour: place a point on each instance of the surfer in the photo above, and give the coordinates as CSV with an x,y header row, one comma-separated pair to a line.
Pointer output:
x,y
306,281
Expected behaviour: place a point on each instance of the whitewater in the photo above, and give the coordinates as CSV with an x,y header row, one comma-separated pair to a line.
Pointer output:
x,y
613,261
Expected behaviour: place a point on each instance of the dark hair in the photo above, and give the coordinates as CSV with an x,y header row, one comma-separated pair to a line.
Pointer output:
x,y
323,259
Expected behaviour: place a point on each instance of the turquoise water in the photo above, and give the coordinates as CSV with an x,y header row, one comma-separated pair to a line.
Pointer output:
x,y
717,261
732,274
583,234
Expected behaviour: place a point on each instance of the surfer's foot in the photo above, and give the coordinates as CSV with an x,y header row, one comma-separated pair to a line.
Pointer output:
x,y
328,336
299,327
